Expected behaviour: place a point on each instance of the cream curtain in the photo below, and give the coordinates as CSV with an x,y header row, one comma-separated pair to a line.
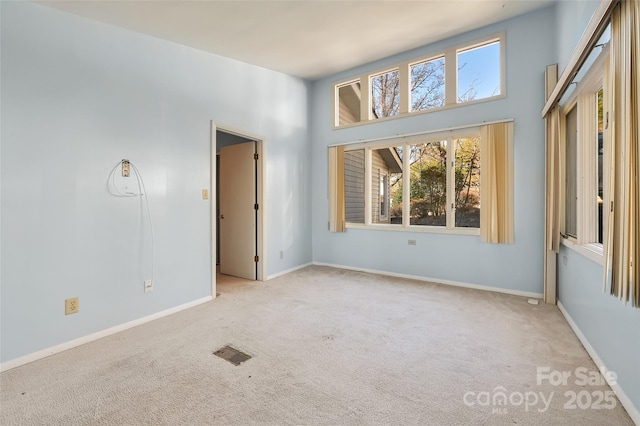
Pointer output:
x,y
496,181
336,189
553,179
621,248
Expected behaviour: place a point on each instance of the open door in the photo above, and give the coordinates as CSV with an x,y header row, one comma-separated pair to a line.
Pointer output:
x,y
237,210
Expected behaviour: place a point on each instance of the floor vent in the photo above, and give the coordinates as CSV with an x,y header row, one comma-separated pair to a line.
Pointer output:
x,y
232,355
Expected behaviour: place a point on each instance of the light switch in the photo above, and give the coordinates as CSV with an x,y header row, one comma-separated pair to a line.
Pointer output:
x,y
205,194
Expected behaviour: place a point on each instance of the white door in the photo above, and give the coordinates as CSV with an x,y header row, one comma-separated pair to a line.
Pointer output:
x,y
237,210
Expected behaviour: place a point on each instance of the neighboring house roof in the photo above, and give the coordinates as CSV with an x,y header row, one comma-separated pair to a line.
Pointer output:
x,y
392,159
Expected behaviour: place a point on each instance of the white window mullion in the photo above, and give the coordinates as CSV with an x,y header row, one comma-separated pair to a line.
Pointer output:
x,y
365,98
405,95
450,78
451,182
336,107
503,65
367,186
406,186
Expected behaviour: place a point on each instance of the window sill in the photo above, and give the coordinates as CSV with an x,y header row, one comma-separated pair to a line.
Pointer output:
x,y
415,228
593,252
412,113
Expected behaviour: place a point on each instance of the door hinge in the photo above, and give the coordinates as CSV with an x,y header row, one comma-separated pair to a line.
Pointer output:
x,y
255,206
255,156
256,258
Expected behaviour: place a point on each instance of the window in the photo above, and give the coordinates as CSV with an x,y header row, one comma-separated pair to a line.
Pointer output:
x,y
467,182
385,94
349,100
428,182
459,180
354,185
427,84
388,162
443,179
584,124
424,84
479,72
386,206
599,155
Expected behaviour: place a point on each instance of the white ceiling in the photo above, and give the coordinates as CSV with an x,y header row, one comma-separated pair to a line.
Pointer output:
x,y
305,38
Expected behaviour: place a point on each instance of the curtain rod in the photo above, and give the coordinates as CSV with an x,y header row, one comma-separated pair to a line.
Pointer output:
x,y
589,38
429,132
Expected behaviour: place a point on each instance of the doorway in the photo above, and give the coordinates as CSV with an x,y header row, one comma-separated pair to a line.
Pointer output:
x,y
239,233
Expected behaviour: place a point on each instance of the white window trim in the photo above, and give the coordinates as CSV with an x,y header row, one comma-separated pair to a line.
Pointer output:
x,y
587,212
414,228
568,107
451,83
593,252
450,136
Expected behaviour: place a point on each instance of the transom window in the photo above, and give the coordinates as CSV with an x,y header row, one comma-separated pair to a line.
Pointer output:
x,y
385,94
349,101
457,76
427,84
479,72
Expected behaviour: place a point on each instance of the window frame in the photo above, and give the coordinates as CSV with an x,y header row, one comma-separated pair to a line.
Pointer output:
x,y
502,67
584,96
336,100
451,82
568,109
370,116
406,142
410,109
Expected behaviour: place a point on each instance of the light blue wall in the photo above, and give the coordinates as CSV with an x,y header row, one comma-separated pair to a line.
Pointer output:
x,y
78,96
452,257
572,18
611,327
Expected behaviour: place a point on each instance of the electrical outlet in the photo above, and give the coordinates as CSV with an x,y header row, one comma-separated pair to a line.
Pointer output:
x,y
412,242
148,286
71,306
281,254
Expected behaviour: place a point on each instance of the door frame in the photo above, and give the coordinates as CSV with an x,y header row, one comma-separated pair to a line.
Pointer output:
x,y
261,242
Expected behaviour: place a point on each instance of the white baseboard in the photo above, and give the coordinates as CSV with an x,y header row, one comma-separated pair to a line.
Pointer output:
x,y
632,410
437,280
17,362
295,268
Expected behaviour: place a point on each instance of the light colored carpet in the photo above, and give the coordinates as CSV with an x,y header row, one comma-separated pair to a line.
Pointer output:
x,y
329,347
